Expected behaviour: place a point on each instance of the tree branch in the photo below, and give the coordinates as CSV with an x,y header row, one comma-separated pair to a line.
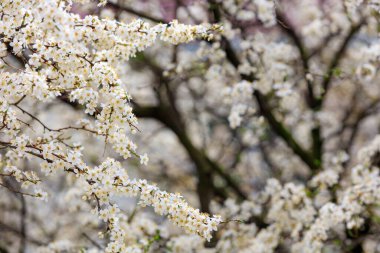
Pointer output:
x,y
202,161
290,31
284,133
337,58
311,100
135,12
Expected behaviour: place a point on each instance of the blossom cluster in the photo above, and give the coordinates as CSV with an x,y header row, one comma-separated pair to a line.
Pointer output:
x,y
272,122
62,56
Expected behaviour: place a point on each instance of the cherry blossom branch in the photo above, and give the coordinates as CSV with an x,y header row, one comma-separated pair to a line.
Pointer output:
x,y
265,110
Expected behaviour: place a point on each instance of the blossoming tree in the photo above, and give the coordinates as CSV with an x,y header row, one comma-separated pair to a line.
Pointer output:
x,y
263,114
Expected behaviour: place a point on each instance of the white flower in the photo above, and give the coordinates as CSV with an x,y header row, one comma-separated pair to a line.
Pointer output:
x,y
366,72
41,194
144,159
